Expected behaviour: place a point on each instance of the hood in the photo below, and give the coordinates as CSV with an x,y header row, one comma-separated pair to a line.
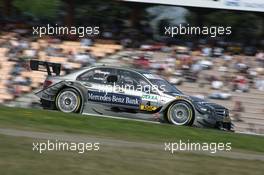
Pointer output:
x,y
196,100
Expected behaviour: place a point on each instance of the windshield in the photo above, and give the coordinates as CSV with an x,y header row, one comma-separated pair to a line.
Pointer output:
x,y
165,86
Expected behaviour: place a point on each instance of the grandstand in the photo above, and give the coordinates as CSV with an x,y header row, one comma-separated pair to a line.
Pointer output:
x,y
17,88
10,90
252,117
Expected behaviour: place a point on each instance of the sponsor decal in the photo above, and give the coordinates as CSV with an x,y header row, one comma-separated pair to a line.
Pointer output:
x,y
102,97
244,5
254,5
147,108
234,3
114,98
179,97
183,98
149,97
152,76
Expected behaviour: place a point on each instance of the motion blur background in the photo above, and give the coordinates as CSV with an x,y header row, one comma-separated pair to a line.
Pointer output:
x,y
228,70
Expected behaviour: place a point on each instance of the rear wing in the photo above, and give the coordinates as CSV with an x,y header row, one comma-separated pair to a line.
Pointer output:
x,y
45,66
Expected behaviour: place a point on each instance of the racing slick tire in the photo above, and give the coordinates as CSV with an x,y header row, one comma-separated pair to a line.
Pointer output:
x,y
68,100
180,113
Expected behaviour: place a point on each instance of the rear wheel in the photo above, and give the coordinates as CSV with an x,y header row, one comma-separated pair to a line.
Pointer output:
x,y
180,113
68,100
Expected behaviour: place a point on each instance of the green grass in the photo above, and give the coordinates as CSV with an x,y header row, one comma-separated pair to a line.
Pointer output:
x,y
40,120
17,158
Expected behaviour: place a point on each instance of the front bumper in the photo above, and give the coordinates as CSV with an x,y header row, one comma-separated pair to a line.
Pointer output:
x,y
213,120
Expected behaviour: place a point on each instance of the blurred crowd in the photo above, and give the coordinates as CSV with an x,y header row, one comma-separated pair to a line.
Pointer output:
x,y
224,69
220,67
20,49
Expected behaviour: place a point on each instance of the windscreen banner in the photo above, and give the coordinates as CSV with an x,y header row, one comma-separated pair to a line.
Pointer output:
x,y
244,5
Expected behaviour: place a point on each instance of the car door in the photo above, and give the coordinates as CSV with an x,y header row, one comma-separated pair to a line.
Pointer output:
x,y
98,89
133,91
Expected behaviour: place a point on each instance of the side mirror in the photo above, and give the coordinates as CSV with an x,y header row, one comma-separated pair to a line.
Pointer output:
x,y
147,89
111,79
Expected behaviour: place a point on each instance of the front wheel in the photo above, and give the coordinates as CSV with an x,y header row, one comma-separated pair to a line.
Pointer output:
x,y
68,100
180,113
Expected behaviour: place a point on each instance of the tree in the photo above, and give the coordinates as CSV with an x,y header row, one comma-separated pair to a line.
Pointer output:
x,y
42,9
7,7
246,26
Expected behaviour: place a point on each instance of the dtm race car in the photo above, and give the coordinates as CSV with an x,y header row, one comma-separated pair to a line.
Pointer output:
x,y
125,92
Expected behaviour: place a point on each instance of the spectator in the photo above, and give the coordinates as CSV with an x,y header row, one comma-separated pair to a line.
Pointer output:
x,y
240,84
260,84
86,42
238,108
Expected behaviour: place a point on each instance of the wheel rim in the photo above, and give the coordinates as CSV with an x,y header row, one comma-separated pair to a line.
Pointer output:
x,y
68,101
180,114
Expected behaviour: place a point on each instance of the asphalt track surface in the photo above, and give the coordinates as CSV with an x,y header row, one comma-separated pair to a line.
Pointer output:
x,y
122,144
